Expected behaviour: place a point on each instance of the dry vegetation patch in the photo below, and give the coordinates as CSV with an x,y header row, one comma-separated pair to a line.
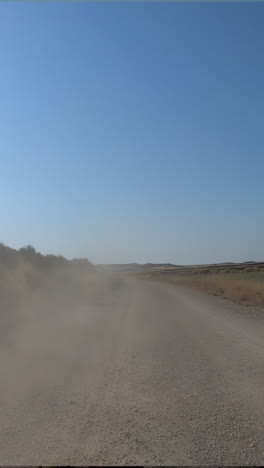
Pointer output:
x,y
244,286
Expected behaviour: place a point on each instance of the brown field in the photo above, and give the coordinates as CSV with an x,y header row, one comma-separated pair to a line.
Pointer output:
x,y
242,283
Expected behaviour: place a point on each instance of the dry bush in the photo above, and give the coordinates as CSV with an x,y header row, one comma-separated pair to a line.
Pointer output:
x,y
252,270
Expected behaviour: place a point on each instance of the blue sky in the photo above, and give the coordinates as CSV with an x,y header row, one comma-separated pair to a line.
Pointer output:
x,y
133,132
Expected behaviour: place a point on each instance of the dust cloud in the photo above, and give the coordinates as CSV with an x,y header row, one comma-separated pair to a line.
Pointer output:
x,y
44,303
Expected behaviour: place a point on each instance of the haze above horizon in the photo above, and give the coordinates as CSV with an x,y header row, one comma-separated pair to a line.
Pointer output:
x,y
133,132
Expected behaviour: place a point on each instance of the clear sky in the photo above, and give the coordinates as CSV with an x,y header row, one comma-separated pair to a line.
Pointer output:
x,y
133,132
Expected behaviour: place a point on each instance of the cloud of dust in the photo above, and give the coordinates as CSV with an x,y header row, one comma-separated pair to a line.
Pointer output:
x,y
43,320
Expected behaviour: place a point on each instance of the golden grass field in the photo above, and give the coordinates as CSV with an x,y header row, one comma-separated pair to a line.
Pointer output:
x,y
241,287
244,286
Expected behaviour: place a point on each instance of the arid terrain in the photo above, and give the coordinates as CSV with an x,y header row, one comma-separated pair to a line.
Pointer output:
x,y
241,282
97,370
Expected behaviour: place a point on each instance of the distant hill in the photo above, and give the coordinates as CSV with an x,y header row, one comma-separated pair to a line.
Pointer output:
x,y
169,268
135,267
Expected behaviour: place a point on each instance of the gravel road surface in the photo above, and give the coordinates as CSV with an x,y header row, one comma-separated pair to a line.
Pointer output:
x,y
153,374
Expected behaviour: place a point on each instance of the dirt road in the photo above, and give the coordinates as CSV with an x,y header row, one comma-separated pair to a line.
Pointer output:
x,y
153,374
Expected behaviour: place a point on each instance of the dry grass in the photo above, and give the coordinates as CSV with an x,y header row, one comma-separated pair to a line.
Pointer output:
x,y
233,287
246,287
